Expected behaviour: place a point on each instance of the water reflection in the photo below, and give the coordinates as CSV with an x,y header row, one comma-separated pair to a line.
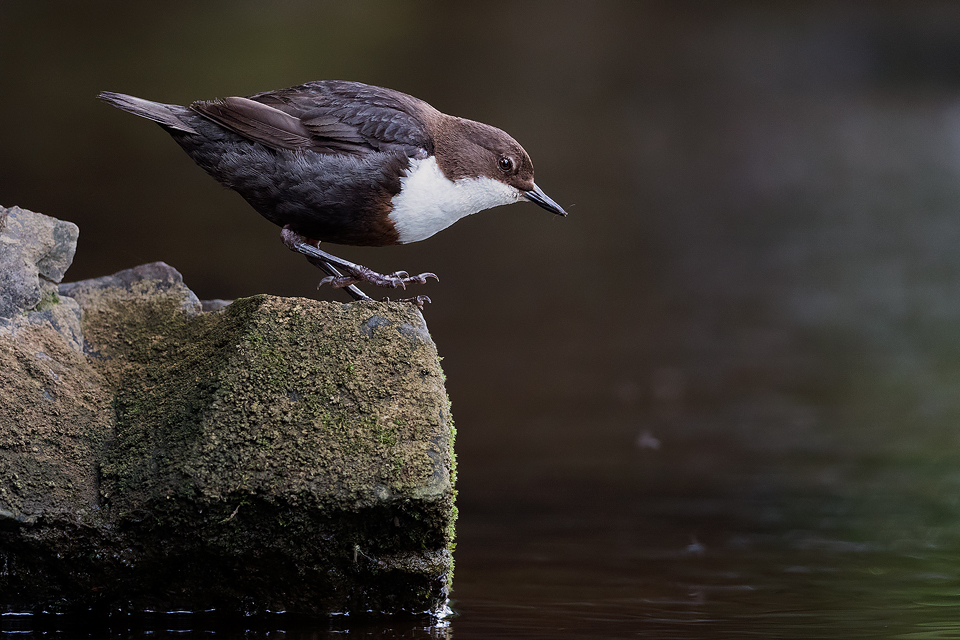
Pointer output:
x,y
208,624
720,398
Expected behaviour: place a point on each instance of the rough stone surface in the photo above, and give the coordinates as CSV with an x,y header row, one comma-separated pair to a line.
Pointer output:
x,y
35,252
55,420
273,454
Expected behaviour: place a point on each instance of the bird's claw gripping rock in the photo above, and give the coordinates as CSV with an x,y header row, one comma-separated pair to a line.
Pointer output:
x,y
419,301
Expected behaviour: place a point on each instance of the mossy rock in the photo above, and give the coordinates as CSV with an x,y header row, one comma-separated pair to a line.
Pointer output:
x,y
276,454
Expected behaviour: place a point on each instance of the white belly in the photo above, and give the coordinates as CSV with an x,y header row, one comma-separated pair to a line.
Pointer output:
x,y
429,202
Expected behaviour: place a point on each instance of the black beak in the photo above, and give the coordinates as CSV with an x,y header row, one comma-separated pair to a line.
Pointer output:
x,y
538,196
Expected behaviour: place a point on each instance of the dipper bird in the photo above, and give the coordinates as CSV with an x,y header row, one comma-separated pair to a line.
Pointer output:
x,y
349,163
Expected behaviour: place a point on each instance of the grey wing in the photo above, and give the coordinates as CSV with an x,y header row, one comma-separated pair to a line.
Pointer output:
x,y
328,117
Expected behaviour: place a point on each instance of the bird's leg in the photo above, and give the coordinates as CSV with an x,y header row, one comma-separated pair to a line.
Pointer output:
x,y
355,272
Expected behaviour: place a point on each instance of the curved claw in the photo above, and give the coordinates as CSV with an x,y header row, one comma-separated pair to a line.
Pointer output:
x,y
339,282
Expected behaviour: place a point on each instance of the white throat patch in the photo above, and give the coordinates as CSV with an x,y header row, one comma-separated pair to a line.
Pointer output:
x,y
429,202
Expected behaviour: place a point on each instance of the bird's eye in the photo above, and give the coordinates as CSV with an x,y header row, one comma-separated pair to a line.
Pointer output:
x,y
505,163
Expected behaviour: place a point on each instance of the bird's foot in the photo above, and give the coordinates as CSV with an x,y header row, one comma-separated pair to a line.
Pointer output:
x,y
419,301
360,274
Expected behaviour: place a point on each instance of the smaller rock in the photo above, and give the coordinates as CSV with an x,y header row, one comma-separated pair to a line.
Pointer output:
x,y
213,305
144,281
35,251
32,246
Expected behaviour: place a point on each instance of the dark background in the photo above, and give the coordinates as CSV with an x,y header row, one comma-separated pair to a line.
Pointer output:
x,y
721,395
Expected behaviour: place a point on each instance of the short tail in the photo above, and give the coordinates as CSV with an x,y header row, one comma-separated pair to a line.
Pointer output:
x,y
169,115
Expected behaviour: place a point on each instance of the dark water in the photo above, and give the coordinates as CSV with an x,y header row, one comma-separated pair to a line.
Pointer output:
x,y
721,399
